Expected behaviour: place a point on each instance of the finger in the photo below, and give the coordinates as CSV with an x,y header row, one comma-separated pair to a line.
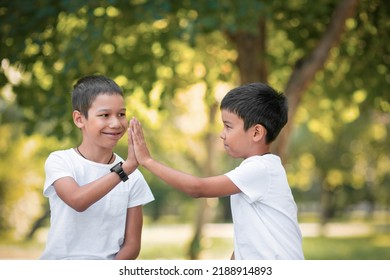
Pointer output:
x,y
133,131
130,136
139,130
135,126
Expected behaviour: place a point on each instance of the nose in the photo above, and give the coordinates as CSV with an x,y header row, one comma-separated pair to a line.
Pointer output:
x,y
114,123
222,135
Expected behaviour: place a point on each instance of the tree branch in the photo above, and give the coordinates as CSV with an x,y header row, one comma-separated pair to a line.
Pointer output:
x,y
306,68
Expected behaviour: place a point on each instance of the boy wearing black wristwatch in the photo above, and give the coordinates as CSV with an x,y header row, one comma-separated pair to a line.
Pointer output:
x,y
95,196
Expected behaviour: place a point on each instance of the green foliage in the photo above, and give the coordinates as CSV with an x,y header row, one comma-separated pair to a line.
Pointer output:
x,y
137,44
21,178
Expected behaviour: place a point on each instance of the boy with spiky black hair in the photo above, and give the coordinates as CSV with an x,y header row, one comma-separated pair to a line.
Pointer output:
x,y
263,208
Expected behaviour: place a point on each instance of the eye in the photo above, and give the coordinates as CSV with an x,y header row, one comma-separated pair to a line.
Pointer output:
x,y
103,115
122,115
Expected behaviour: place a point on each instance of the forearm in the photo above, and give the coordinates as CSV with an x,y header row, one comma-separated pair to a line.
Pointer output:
x,y
181,181
81,198
128,252
94,191
132,243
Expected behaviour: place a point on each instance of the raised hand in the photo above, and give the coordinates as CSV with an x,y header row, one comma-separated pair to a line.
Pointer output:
x,y
131,162
140,149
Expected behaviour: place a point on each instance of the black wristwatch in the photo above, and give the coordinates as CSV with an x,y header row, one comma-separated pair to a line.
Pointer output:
x,y
117,168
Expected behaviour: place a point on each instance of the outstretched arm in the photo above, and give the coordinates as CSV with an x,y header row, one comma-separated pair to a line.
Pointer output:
x,y
216,186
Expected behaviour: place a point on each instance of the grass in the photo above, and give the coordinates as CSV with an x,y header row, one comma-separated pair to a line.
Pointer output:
x,y
375,247
213,249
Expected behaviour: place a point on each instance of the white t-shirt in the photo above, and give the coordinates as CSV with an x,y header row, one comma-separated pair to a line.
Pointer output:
x,y
98,232
264,212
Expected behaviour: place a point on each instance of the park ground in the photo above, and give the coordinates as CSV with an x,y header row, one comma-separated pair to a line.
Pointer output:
x,y
353,240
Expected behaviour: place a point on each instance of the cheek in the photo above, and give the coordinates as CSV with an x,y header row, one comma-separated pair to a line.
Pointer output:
x,y
233,134
125,123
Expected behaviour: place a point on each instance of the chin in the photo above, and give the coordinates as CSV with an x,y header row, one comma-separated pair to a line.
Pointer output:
x,y
234,155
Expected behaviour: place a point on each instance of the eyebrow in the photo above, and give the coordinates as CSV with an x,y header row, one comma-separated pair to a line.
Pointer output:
x,y
108,110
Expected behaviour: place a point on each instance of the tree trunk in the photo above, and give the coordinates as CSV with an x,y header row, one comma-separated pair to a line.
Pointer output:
x,y
251,49
203,213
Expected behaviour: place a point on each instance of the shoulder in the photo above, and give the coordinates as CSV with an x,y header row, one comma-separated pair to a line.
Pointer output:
x,y
253,175
251,167
60,155
265,161
252,163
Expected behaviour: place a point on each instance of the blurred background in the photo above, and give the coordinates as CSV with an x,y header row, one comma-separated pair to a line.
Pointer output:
x,y
175,60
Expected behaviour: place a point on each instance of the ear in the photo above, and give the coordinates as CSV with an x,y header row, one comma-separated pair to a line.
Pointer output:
x,y
78,119
259,132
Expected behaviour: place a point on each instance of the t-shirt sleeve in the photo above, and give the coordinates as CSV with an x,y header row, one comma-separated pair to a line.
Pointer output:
x,y
55,168
252,178
140,193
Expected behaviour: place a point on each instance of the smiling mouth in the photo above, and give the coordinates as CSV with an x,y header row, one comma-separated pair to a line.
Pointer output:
x,y
112,133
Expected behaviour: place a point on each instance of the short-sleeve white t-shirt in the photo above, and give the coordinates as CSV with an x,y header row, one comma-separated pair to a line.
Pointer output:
x,y
264,212
98,232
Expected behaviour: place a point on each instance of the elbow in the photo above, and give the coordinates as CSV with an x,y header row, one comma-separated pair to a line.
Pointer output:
x,y
78,205
194,194
196,191
75,199
128,253
79,208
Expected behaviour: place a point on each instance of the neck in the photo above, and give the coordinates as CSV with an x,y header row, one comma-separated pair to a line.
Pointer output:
x,y
81,154
263,151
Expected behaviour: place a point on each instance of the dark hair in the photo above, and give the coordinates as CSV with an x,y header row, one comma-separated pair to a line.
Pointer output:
x,y
258,103
88,88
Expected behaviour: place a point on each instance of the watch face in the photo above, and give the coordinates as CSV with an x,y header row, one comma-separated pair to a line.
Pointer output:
x,y
117,168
